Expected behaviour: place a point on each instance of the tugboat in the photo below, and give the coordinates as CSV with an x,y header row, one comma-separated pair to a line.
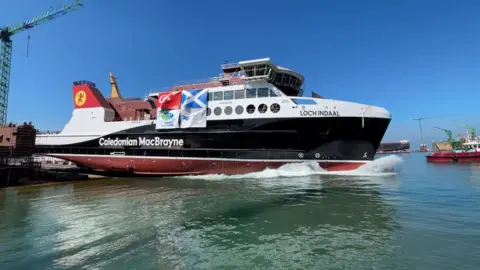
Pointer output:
x,y
251,117
466,149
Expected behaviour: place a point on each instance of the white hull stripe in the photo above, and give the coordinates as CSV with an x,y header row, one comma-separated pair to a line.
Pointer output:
x,y
219,159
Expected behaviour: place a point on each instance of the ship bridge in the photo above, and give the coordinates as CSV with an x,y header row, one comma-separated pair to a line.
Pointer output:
x,y
287,80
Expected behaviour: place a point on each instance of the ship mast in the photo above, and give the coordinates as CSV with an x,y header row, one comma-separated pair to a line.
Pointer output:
x,y
115,93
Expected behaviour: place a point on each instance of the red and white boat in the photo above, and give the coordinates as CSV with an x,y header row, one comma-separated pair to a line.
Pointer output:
x,y
251,117
468,152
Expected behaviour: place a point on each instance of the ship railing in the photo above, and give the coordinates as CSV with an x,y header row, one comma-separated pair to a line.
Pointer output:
x,y
237,74
160,90
48,132
200,81
256,78
186,83
131,98
134,120
24,124
84,82
230,65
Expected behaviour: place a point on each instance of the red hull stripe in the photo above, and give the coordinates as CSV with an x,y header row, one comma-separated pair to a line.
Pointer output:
x,y
451,159
183,166
219,159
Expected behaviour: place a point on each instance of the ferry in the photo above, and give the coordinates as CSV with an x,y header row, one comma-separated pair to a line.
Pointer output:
x,y
251,117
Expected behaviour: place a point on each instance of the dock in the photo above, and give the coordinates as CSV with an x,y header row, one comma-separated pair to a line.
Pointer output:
x,y
19,166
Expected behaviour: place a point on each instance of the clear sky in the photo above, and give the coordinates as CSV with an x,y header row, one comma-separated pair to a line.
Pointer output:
x,y
413,57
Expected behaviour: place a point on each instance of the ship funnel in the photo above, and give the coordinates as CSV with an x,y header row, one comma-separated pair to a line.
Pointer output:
x,y
115,93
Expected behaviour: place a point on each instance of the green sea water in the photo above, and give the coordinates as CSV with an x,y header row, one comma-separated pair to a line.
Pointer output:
x,y
426,216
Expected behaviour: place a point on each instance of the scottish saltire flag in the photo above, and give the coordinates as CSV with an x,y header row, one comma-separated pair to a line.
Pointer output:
x,y
193,112
168,110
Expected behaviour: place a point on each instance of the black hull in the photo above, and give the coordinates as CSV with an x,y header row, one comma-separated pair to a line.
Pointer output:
x,y
332,138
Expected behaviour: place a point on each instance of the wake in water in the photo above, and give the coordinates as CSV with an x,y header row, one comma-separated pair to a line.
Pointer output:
x,y
384,166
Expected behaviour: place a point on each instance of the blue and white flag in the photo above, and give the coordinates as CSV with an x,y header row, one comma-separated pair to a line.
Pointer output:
x,y
193,113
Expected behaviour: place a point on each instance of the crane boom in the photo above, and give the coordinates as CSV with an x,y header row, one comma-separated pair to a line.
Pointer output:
x,y
6,49
448,132
45,17
470,128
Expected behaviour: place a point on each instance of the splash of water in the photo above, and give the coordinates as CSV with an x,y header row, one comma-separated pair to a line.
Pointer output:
x,y
384,166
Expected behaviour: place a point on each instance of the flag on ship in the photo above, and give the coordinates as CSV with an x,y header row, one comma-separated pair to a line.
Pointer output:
x,y
194,108
168,110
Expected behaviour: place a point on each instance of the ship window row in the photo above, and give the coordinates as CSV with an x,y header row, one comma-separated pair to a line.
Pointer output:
x,y
262,92
287,80
262,108
257,70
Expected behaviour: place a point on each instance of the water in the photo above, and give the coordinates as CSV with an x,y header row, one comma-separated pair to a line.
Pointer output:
x,y
424,216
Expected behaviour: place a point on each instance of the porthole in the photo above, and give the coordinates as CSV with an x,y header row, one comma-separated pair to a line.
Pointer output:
x,y
217,111
250,109
262,108
209,111
228,110
239,109
275,107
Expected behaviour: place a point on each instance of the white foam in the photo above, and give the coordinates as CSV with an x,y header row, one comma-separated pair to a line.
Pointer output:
x,y
384,166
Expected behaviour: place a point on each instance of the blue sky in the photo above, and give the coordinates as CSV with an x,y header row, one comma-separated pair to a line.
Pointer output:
x,y
415,58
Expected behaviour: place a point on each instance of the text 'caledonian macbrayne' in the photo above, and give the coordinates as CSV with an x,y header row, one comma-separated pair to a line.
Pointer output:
x,y
140,142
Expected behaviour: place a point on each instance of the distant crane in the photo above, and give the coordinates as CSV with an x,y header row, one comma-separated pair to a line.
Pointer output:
x,y
470,129
455,143
419,119
6,49
449,133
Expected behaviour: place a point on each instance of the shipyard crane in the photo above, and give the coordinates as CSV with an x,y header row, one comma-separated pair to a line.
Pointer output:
x,y
470,129
455,143
6,49
420,119
449,133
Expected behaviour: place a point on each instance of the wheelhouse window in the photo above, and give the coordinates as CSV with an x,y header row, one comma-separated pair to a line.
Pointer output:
x,y
228,95
272,93
262,92
251,93
218,95
240,94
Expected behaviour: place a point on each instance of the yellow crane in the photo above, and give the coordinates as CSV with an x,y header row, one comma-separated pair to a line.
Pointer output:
x,y
6,49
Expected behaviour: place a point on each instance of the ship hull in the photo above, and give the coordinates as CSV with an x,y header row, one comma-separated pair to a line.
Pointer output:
x,y
229,147
190,166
